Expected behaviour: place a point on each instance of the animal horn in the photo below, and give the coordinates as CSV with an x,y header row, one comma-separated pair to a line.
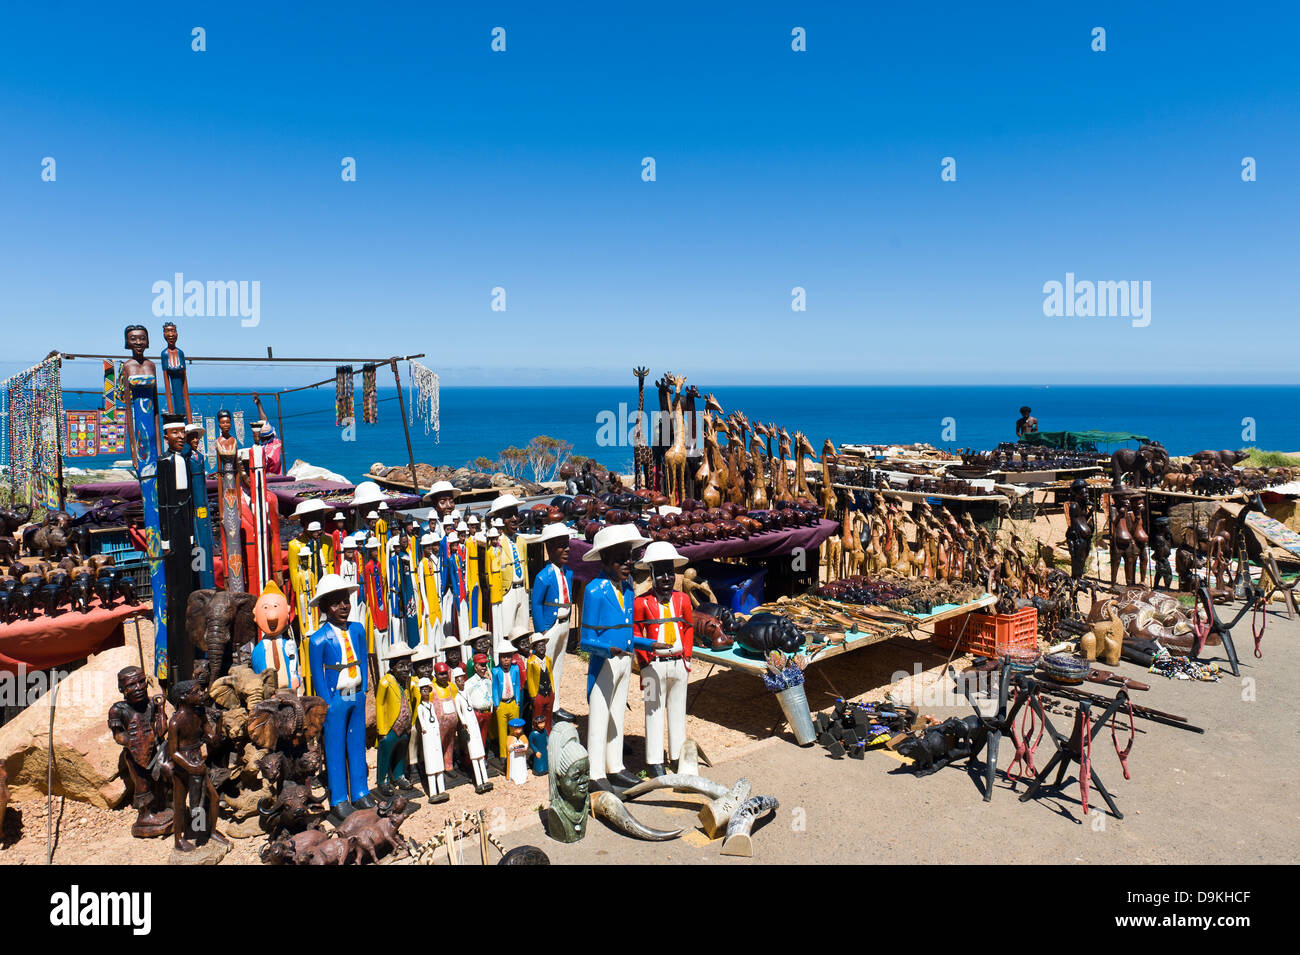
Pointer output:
x,y
608,807
738,841
679,781
716,814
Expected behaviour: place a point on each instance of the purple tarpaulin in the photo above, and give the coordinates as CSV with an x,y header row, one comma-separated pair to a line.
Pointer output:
x,y
768,544
288,492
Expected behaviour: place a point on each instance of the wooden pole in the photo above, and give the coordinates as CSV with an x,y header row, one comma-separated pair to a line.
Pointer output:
x,y
406,428
279,426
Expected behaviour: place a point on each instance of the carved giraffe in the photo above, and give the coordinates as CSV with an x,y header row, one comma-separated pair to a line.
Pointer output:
x,y
719,464
828,479
675,456
642,456
803,449
781,482
758,492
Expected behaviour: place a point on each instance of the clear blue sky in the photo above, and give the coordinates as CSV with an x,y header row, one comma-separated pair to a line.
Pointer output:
x,y
775,169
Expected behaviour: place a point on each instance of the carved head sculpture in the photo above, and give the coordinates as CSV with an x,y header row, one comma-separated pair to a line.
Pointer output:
x,y
570,772
134,685
136,340
223,422
170,334
271,612
174,432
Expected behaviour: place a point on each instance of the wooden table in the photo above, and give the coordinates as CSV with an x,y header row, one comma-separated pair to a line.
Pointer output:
x,y
856,640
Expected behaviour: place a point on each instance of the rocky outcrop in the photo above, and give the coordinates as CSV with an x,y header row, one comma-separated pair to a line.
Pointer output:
x,y
86,757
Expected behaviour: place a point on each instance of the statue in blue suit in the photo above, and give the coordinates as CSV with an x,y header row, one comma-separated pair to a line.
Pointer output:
x,y
552,603
337,652
609,639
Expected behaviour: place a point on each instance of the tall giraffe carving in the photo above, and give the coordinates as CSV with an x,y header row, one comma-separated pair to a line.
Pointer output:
x,y
642,457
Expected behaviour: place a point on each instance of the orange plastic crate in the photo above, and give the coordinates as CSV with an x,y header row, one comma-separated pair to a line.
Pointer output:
x,y
989,635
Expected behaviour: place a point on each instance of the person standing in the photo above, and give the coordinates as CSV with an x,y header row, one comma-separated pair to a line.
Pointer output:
x,y
1027,424
664,615
609,639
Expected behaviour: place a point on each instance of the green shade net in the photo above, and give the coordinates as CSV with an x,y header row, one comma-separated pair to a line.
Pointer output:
x,y
1080,440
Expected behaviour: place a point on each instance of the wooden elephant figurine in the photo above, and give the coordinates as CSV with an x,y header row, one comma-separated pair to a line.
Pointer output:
x,y
216,621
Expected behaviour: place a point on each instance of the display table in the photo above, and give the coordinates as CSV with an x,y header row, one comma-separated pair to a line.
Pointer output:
x,y
780,543
53,641
855,640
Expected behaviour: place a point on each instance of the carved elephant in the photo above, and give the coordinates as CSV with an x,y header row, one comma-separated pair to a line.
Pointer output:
x,y
1147,464
216,621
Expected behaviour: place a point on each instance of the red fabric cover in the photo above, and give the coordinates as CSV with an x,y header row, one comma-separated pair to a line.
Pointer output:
x,y
53,641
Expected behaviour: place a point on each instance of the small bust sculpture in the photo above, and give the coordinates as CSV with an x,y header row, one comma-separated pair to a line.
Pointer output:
x,y
570,774
138,723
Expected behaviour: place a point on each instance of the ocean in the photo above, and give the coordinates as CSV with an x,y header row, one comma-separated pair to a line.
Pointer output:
x,y
483,421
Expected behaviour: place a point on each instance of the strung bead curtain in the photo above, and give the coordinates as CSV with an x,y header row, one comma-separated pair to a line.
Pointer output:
x,y
33,418
424,397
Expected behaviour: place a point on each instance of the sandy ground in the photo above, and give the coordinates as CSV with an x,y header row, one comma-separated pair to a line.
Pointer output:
x,y
1228,796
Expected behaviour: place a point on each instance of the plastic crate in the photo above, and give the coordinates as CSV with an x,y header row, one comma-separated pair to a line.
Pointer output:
x,y
989,635
139,571
114,543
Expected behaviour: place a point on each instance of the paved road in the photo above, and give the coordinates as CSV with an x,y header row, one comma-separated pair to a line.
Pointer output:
x,y
1228,796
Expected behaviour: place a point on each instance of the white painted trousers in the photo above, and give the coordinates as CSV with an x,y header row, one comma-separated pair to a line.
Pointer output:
x,y
514,613
557,641
665,701
607,709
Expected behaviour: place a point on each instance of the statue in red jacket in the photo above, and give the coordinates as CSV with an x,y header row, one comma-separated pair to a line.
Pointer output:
x,y
664,616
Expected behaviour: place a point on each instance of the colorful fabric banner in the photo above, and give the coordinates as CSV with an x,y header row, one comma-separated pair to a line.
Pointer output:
x,y
82,440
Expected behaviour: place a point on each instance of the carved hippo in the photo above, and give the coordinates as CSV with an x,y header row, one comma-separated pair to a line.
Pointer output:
x,y
765,632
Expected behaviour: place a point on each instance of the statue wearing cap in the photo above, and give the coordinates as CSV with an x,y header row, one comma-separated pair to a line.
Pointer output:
x,y
428,581
393,719
609,639
507,695
248,523
475,750
455,609
374,597
478,694
177,524
339,672
198,473
664,615
350,563
430,734
512,556
553,600
403,616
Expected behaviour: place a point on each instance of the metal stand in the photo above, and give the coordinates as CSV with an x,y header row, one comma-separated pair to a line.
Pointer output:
x,y
1254,595
1071,749
1002,721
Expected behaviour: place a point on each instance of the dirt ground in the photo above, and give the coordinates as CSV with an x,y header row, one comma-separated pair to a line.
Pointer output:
x,y
1227,796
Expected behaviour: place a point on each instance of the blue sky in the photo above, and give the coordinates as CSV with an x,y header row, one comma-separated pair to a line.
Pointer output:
x,y
775,169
